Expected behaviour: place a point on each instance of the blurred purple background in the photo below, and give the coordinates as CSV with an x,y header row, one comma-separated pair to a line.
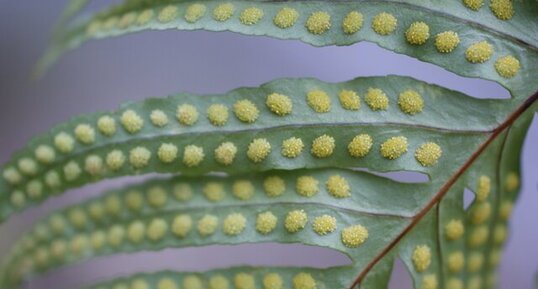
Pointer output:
x,y
103,74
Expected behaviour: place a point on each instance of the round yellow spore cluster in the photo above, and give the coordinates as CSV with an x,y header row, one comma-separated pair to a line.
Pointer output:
x,y
303,281
394,147
131,121
106,125
246,111
85,133
319,101
217,114
292,147
168,14
352,23
251,16
473,4
194,12
266,222
502,9
207,225
193,155
318,23
244,281
167,152
307,186
454,229
258,150
384,23
338,187
360,145
422,257
455,262
354,236
447,41
417,33
279,104
139,157
234,224
410,102
225,153
223,12
376,99
349,99
187,114
115,160
286,17
295,221
428,154
483,188
182,225
507,66
274,186
323,146
158,118
214,191
479,52
272,281
324,224
243,190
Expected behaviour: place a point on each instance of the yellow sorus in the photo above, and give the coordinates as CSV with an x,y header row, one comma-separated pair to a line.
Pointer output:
x,y
500,233
182,192
286,17
304,281
323,146
410,102
352,23
145,17
18,199
93,165
157,229
192,282
505,210
417,33
511,182
225,153
349,99
384,23
214,191
131,121
251,16
428,154
475,262
479,52
71,171
106,125
483,189
266,222
307,186
168,14
223,12
376,99
394,147
115,160
182,225
97,240
454,229
193,155
258,150
324,224
319,101
113,205
96,210
360,145
167,152
45,154
272,281
507,66
454,283
58,249
78,218
478,236
234,224
218,282
447,41
139,283
207,225
279,104
217,114
158,118
422,257
139,157
244,281
136,232
167,283
85,133
455,261
429,281
111,23
338,187
274,186
134,201
34,189
27,166
64,142
246,111
94,27
186,114
354,236
52,179
295,221
243,190
480,213
157,196
12,176
126,20
41,257
473,4
503,9
495,257
292,147
318,22
194,12
115,235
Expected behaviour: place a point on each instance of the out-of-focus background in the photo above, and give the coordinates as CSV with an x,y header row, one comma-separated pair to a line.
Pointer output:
x,y
103,74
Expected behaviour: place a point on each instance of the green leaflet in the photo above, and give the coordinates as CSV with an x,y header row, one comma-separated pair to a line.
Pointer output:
x,y
93,161
506,37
